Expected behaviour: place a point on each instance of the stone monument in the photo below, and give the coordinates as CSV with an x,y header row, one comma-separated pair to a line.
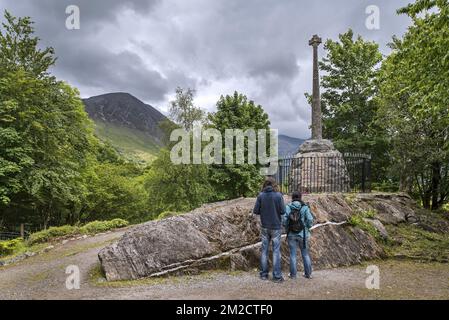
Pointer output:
x,y
318,166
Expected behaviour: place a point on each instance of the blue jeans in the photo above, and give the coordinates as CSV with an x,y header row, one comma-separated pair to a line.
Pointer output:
x,y
274,236
293,242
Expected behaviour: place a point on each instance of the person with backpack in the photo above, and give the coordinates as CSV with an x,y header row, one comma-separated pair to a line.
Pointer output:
x,y
298,220
270,207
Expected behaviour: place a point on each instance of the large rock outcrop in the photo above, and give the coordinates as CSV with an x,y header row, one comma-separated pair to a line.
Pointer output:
x,y
226,235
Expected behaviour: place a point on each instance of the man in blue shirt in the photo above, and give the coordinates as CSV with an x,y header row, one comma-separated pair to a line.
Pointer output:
x,y
299,237
270,206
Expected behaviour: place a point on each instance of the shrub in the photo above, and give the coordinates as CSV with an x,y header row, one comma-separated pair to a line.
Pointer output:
x,y
446,207
51,233
370,214
102,226
11,246
168,214
118,223
90,228
357,220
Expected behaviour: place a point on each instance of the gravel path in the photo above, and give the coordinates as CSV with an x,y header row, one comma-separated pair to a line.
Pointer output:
x,y
43,277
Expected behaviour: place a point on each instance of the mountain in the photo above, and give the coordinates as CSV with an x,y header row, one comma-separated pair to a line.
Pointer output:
x,y
288,145
132,126
127,123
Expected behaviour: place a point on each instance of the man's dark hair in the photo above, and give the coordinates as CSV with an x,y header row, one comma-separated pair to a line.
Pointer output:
x,y
270,182
296,196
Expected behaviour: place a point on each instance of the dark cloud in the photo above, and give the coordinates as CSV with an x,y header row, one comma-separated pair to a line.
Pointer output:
x,y
257,47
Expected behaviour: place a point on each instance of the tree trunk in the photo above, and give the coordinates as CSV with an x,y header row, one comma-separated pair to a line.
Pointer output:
x,y
436,181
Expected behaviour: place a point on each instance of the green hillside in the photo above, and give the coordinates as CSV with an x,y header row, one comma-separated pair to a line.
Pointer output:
x,y
131,143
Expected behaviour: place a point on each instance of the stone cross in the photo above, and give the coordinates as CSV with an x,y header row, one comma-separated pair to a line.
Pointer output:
x,y
317,127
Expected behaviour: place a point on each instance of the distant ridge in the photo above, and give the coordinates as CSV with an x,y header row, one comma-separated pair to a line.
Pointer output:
x,y
288,145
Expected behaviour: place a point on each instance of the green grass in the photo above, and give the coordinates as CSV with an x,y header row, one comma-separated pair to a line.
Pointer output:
x,y
168,214
11,246
51,233
65,231
37,240
133,144
411,241
357,220
102,226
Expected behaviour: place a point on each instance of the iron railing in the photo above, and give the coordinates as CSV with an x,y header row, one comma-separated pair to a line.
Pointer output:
x,y
9,235
349,172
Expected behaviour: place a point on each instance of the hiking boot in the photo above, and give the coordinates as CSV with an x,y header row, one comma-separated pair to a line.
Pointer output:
x,y
307,277
263,278
292,277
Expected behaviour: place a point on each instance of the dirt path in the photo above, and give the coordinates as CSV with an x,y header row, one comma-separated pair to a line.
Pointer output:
x,y
43,277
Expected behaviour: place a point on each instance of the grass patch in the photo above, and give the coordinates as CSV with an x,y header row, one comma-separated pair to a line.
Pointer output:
x,y
51,233
411,241
168,214
133,144
37,241
11,246
65,231
102,226
367,214
358,220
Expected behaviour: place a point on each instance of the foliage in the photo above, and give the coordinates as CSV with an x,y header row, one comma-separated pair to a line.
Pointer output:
x,y
177,188
19,49
102,226
168,214
446,207
183,111
11,246
51,233
413,101
349,110
236,112
114,190
358,220
46,133
131,144
416,243
64,231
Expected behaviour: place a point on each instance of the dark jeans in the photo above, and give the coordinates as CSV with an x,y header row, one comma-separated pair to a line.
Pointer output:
x,y
293,242
274,236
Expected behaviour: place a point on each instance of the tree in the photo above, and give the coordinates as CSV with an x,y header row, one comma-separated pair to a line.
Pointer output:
x,y
47,134
349,109
19,48
183,111
414,102
114,190
176,188
236,112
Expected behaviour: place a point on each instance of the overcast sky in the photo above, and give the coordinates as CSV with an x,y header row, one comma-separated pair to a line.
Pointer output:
x,y
149,47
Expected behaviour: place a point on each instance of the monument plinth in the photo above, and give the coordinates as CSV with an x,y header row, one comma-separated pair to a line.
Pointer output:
x,y
318,166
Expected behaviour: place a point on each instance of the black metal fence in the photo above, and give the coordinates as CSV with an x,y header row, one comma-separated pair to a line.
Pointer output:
x,y
9,235
348,172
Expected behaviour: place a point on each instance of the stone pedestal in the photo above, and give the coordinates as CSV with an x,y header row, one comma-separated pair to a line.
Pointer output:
x,y
318,167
